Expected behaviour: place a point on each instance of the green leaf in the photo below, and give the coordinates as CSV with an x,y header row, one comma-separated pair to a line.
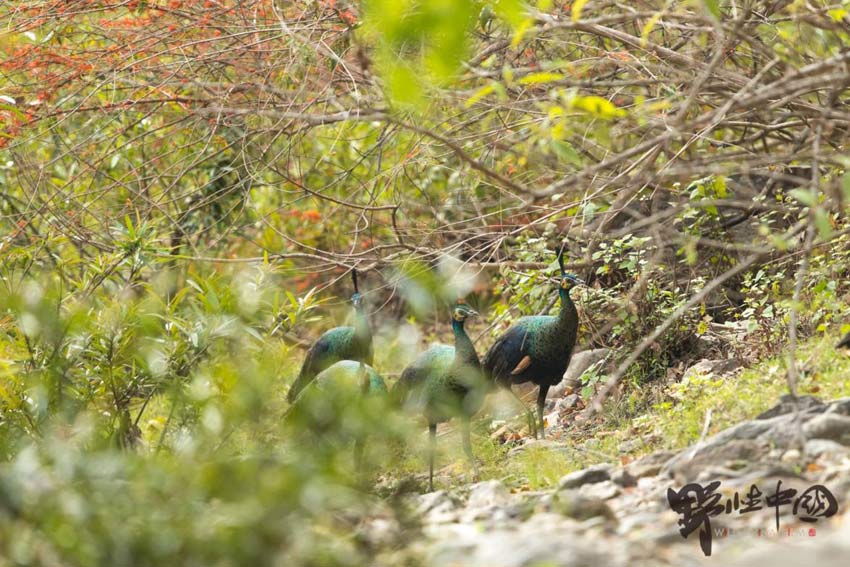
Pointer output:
x,y
404,85
566,152
13,109
713,7
804,196
511,12
823,223
720,186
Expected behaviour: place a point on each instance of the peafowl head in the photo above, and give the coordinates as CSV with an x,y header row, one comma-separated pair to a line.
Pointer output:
x,y
569,281
462,312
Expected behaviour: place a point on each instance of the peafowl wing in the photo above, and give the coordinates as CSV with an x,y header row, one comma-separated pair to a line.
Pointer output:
x,y
334,345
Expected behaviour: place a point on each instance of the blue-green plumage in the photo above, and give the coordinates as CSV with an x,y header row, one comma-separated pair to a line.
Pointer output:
x,y
445,382
536,349
340,406
351,375
339,343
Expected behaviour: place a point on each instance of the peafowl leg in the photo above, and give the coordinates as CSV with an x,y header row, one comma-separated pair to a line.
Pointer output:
x,y
467,446
432,450
532,423
541,402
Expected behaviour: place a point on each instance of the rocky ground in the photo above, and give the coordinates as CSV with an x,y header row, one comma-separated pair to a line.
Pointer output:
x,y
607,515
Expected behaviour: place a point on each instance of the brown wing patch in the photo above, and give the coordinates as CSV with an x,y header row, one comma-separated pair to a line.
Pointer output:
x,y
523,364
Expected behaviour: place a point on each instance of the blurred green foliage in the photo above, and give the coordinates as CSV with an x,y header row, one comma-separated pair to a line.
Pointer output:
x,y
180,188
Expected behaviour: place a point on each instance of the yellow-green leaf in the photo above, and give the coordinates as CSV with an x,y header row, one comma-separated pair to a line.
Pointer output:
x,y
542,77
480,94
578,7
837,14
649,26
597,106
520,32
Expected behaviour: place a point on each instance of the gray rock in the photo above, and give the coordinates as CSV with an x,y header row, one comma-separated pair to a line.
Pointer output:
x,y
437,507
567,402
380,531
787,405
579,363
573,504
730,454
604,490
623,478
590,475
791,456
841,406
650,465
821,447
832,426
717,473
545,539
431,500
707,367
638,521
763,476
548,444
488,493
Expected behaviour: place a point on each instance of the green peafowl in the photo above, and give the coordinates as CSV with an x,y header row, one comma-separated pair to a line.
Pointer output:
x,y
325,405
537,349
339,343
445,382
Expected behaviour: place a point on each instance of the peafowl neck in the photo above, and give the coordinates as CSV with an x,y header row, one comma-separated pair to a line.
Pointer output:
x,y
361,323
568,316
464,349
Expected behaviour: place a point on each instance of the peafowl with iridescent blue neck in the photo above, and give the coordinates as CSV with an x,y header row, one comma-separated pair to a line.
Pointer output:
x,y
445,382
339,343
538,348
